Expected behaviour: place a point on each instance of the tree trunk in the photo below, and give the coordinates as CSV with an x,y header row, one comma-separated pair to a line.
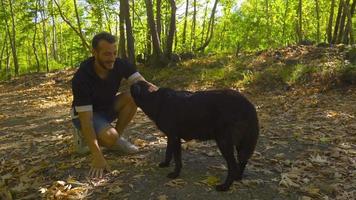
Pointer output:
x,y
129,36
194,20
157,58
158,19
348,36
210,28
44,18
34,39
3,49
342,22
172,29
337,23
331,17
54,33
148,42
185,24
107,17
317,10
284,21
204,22
13,37
122,41
268,22
300,21
79,33
7,73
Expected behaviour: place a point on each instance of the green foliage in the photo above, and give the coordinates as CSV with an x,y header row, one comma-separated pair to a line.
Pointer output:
x,y
248,25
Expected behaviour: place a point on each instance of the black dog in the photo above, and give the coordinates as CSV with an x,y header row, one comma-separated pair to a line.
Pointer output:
x,y
223,115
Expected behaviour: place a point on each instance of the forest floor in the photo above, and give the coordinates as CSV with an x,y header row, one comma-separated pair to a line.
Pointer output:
x,y
306,149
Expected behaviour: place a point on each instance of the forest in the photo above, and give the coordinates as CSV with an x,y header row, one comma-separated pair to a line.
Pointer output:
x,y
43,35
295,60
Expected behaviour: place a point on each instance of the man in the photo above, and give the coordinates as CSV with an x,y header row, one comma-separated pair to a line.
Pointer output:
x,y
96,105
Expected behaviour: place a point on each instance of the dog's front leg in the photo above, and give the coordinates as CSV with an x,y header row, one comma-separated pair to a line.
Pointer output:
x,y
177,153
169,153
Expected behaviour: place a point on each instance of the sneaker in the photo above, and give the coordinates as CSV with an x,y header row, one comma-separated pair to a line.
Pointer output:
x,y
125,146
80,146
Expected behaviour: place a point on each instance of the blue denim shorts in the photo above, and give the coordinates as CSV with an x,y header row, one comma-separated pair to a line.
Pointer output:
x,y
100,121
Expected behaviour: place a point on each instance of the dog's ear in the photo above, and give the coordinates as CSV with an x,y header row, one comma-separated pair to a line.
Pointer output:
x,y
135,90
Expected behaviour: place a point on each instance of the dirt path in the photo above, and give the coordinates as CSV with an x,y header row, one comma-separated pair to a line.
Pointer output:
x,y
306,150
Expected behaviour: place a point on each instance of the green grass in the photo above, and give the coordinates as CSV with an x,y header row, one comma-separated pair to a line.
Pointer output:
x,y
228,72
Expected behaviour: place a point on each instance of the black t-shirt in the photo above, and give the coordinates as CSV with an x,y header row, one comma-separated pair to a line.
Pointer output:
x,y
89,90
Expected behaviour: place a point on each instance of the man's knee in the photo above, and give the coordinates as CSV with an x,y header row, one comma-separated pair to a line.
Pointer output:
x,y
124,100
108,137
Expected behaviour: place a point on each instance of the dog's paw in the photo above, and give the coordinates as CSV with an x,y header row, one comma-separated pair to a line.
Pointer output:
x,y
173,175
163,164
222,187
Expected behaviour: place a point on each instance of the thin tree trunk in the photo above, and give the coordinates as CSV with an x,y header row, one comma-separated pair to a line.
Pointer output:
x,y
204,22
122,41
44,18
337,23
34,39
342,22
268,22
300,21
129,35
185,24
192,36
3,49
133,14
317,10
330,24
54,33
348,28
172,29
157,51
158,19
107,17
148,42
79,33
210,28
284,22
13,38
8,61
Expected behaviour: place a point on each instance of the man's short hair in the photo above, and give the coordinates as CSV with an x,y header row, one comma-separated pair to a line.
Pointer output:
x,y
102,36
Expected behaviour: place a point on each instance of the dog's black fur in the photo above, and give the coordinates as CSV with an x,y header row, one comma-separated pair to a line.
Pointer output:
x,y
223,115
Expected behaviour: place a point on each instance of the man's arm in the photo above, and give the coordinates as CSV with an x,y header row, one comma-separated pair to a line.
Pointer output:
x,y
87,128
138,77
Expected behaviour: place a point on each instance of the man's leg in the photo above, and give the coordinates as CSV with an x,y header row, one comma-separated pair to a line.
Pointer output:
x,y
126,108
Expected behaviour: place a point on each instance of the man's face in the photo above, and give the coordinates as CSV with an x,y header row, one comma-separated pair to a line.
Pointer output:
x,y
105,54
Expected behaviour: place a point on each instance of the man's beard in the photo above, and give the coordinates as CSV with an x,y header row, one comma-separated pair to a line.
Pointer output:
x,y
102,65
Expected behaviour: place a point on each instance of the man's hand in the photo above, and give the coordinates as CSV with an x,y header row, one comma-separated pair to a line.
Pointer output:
x,y
98,166
152,87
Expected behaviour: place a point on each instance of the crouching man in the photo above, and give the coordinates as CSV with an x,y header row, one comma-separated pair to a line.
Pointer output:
x,y
96,104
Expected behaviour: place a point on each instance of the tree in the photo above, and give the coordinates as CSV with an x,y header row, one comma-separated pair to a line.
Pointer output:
x,y
129,35
210,28
44,31
122,41
185,24
172,29
330,24
34,37
77,31
12,34
157,57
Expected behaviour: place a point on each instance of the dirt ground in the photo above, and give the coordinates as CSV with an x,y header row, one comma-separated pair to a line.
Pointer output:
x,y
306,149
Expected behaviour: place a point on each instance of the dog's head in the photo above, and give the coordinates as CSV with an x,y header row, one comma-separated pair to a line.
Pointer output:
x,y
140,91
